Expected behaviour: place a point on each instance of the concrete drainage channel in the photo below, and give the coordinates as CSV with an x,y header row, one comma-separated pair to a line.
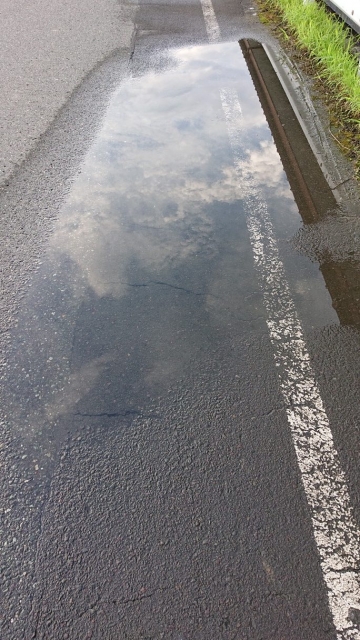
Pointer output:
x,y
318,184
286,96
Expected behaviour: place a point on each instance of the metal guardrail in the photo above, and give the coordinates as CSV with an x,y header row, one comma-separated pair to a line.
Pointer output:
x,y
349,10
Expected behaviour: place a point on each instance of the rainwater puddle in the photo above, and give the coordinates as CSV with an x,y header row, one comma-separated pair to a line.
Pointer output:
x,y
160,178
150,262
142,383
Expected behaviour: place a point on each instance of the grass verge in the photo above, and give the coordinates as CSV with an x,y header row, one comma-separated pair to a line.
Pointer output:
x,y
327,43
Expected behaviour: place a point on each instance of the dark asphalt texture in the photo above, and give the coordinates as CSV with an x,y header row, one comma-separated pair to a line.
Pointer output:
x,y
149,483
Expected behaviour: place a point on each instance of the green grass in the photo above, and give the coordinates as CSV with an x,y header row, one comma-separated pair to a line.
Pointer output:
x,y
328,43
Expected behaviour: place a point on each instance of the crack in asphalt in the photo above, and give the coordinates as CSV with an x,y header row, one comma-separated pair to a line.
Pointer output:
x,y
141,285
115,414
141,597
132,600
171,286
341,183
189,291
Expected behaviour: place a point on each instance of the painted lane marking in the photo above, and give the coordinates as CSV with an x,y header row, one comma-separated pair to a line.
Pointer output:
x,y
335,530
211,23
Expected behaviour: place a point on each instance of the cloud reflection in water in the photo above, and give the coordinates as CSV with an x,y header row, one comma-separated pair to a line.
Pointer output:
x,y
162,157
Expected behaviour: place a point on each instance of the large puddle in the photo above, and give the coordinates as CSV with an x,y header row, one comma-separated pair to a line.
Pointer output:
x,y
153,229
161,165
158,206
147,304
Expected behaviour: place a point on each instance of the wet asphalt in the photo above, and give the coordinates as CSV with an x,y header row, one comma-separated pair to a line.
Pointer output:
x,y
150,487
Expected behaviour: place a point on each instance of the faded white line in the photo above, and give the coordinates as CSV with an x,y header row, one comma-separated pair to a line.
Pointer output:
x,y
335,530
211,23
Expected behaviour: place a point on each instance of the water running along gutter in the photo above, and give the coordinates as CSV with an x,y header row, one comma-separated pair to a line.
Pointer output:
x,y
311,189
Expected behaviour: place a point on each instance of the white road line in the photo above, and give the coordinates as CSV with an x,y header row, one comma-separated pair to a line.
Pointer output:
x,y
335,530
211,23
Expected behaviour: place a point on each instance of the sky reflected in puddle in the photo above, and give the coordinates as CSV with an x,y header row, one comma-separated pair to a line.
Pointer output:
x,y
144,332
160,163
150,262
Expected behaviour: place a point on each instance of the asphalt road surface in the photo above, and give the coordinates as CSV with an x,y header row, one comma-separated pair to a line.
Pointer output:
x,y
180,337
